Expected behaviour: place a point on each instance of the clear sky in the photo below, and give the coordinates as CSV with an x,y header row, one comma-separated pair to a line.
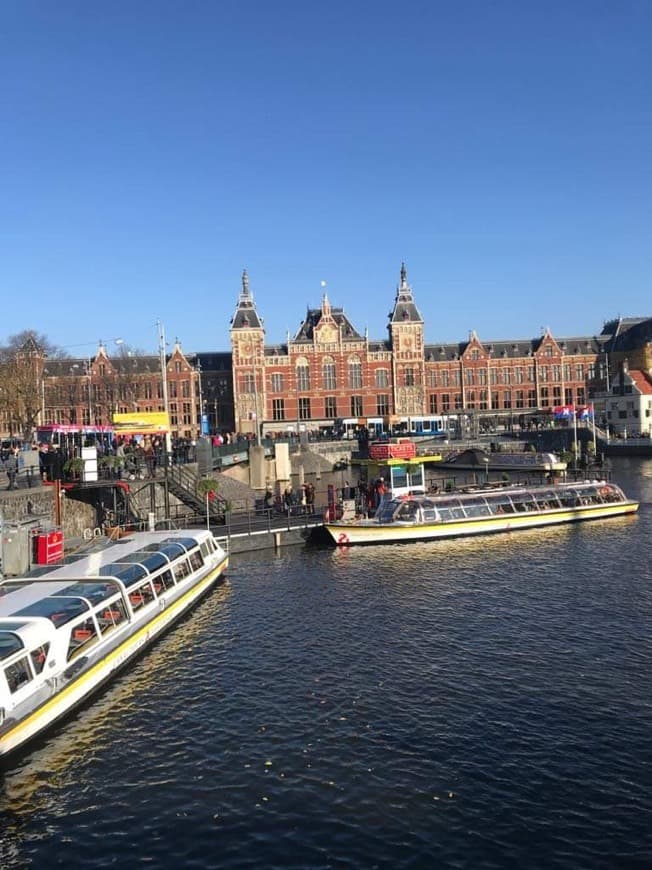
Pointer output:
x,y
150,151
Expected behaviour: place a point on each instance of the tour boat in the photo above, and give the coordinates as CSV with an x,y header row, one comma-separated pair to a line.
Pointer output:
x,y
482,511
67,630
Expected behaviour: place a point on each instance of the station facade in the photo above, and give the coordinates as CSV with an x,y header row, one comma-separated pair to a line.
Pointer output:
x,y
330,375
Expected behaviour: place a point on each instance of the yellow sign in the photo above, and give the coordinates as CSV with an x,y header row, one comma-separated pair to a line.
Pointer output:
x,y
142,423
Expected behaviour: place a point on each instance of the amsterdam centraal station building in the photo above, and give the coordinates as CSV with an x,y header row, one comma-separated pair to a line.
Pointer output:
x,y
330,377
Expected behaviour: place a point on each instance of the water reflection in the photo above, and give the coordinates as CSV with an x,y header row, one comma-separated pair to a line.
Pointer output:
x,y
462,703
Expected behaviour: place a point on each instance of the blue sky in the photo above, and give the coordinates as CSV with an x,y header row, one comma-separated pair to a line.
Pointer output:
x,y
149,151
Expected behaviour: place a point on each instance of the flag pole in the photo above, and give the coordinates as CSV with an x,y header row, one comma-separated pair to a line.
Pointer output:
x,y
575,434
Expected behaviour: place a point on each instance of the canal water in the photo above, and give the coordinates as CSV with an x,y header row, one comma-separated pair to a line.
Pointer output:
x,y
467,704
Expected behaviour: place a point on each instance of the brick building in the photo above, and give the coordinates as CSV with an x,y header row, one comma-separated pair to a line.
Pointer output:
x,y
330,372
87,392
332,376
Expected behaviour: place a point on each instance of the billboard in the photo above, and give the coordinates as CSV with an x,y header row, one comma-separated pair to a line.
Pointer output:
x,y
141,423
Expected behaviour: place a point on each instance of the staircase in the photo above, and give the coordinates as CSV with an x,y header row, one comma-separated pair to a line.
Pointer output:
x,y
182,483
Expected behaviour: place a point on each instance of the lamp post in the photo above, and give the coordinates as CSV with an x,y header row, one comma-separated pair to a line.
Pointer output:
x,y
201,401
164,380
256,418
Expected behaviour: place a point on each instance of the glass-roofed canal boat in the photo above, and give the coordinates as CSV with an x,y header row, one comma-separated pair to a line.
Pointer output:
x,y
67,631
477,512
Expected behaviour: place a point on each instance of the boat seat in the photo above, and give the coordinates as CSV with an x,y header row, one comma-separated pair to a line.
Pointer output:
x,y
111,615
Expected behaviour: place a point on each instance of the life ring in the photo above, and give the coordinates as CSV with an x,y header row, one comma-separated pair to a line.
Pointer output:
x,y
343,540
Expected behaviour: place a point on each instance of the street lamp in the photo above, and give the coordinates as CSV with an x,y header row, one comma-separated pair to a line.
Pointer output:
x,y
256,418
164,379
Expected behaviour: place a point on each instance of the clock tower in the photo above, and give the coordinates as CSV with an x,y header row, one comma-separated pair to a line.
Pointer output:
x,y
408,360
248,362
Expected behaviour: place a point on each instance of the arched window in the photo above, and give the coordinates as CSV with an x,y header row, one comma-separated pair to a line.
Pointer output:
x,y
303,374
355,373
328,374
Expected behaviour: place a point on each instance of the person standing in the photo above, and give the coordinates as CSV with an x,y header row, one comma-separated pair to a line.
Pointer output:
x,y
288,499
11,467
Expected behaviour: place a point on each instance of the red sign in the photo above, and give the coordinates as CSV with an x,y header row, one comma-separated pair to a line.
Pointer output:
x,y
400,448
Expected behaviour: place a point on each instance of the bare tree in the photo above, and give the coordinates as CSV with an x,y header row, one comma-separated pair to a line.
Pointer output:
x,y
21,382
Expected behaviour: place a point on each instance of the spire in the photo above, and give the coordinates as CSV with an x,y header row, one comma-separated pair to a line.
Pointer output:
x,y
325,306
245,313
404,307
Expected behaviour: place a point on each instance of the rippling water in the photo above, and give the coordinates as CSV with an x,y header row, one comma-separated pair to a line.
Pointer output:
x,y
465,704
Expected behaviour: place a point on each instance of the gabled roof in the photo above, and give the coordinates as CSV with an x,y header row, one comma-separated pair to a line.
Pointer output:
x,y
642,381
511,349
314,315
628,334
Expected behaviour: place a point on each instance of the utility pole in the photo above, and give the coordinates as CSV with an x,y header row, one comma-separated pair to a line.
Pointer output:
x,y
164,380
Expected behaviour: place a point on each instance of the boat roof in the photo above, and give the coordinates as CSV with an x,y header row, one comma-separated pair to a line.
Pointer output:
x,y
502,490
127,559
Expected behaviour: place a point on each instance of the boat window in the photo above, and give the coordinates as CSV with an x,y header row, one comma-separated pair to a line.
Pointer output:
x,y
476,507
500,504
386,510
611,493
547,499
523,501
129,574
186,543
181,570
141,595
450,509
205,549
39,657
408,512
589,495
151,561
9,644
196,560
95,592
58,609
569,497
166,579
18,674
8,586
82,635
111,616
172,550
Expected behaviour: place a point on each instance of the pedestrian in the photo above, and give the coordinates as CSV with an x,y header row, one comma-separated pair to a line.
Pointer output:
x,y
310,498
11,467
288,499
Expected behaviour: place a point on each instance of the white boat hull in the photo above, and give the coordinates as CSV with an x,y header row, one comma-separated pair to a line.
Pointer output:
x,y
372,532
66,693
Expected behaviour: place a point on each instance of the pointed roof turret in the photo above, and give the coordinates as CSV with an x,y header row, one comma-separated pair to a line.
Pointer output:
x,y
245,312
325,307
405,310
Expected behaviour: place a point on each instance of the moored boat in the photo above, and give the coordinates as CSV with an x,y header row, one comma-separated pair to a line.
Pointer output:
x,y
478,512
476,460
65,632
